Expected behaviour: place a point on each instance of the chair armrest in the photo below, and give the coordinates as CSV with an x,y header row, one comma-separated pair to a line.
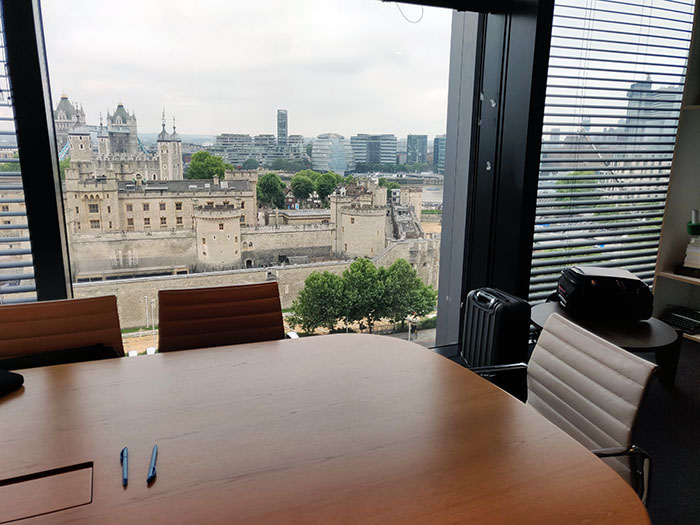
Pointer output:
x,y
497,369
292,335
640,466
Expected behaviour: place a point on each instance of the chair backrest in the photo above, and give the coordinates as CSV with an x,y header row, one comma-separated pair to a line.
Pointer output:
x,y
226,315
45,326
587,386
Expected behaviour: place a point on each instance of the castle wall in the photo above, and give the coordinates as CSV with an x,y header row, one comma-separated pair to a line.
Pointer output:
x,y
265,245
134,294
218,232
91,254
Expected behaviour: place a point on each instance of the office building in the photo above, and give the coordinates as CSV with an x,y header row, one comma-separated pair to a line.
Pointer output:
x,y
439,154
417,148
282,127
333,152
374,149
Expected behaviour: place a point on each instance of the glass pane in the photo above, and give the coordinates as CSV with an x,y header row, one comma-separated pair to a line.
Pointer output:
x,y
254,142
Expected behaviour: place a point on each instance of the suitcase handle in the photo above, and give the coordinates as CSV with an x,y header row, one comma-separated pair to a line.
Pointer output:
x,y
485,297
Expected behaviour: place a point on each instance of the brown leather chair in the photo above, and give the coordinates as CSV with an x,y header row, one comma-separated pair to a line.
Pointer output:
x,y
226,315
47,326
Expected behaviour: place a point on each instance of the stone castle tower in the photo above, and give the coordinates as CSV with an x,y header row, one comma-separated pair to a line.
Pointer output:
x,y
121,129
170,154
67,116
218,235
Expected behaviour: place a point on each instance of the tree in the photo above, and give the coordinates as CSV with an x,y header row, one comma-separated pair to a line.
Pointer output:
x,y
290,166
313,175
326,184
405,294
204,165
319,303
363,285
302,186
250,164
10,166
270,192
383,183
309,149
62,166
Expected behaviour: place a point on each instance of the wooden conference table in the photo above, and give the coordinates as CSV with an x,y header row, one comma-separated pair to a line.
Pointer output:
x,y
340,428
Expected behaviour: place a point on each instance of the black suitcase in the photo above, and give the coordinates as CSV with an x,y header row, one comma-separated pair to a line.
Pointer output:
x,y
496,328
610,294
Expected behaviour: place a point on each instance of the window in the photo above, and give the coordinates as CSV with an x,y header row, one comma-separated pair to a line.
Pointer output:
x,y
77,210
163,221
242,205
129,207
242,219
178,220
110,225
221,225
210,203
178,206
612,108
146,206
162,206
93,208
146,221
109,209
130,222
94,224
5,208
352,220
204,241
346,247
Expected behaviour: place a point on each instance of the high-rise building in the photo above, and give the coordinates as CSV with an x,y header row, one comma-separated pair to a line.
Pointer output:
x,y
374,149
332,152
439,154
416,148
282,127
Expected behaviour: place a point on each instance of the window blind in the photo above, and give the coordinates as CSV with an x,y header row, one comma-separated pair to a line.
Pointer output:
x,y
613,100
16,271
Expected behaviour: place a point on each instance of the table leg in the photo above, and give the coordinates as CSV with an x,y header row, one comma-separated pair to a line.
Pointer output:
x,y
667,359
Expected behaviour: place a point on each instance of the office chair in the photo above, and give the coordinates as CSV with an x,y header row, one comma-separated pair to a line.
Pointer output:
x,y
53,332
592,390
226,315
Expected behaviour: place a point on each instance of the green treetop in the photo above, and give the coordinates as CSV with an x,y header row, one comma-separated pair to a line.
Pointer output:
x,y
270,191
204,165
250,164
320,302
302,186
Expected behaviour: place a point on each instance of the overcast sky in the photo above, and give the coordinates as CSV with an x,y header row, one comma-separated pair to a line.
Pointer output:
x,y
344,66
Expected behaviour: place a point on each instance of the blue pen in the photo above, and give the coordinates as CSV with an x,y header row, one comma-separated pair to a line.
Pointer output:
x,y
124,458
152,466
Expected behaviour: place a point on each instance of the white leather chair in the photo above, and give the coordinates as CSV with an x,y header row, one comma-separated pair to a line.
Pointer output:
x,y
592,390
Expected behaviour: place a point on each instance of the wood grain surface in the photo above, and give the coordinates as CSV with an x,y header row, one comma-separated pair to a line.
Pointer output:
x,y
331,429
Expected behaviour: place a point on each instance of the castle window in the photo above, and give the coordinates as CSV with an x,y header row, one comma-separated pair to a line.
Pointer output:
x,y
82,146
110,225
352,220
145,206
154,176
346,247
78,225
210,203
129,207
242,219
221,225
235,239
162,206
342,229
178,220
6,222
109,209
163,221
93,208
94,224
242,205
204,241
130,222
178,205
5,208
146,221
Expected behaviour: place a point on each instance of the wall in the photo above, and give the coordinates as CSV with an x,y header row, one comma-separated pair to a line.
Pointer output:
x,y
270,242
134,294
99,253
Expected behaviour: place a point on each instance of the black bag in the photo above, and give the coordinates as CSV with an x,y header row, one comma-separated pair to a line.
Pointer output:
x,y
496,328
608,294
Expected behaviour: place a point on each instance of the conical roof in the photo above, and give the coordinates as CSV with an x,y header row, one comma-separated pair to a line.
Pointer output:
x,y
65,105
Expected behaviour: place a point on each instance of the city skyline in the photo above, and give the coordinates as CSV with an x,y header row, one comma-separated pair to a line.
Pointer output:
x,y
337,66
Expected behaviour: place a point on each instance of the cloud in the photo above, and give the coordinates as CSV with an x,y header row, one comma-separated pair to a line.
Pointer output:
x,y
346,66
